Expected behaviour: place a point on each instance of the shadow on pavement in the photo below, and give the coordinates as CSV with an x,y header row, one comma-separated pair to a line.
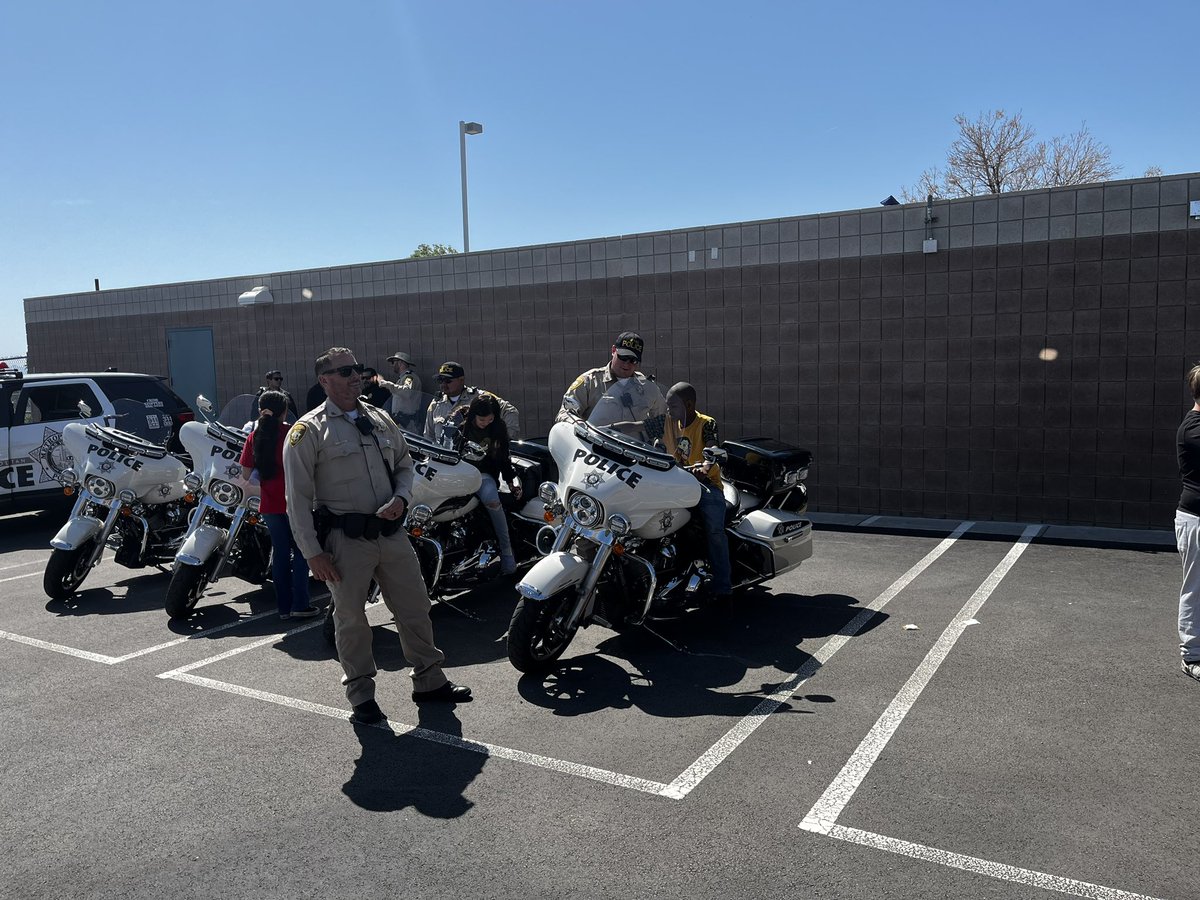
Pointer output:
x,y
680,666
395,772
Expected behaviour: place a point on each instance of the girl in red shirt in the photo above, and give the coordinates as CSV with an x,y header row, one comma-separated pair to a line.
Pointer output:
x,y
263,454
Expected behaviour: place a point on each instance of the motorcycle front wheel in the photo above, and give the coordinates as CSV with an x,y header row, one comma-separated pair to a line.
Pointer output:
x,y
66,569
184,591
536,637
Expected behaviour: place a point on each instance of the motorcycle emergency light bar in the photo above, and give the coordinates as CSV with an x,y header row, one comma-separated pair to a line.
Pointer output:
x,y
126,442
433,451
616,446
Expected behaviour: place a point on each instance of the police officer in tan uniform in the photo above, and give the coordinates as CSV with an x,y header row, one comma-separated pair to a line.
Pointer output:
x,y
349,479
456,394
645,400
405,404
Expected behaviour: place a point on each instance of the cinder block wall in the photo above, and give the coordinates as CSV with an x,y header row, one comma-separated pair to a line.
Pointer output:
x,y
921,381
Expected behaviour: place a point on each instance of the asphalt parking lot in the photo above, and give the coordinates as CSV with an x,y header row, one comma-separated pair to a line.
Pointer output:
x,y
961,714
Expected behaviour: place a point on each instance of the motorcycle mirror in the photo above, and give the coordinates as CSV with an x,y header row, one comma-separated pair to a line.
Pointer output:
x,y
205,405
715,455
84,410
572,405
473,452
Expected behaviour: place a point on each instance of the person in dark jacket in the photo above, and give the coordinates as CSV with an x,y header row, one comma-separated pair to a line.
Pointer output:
x,y
274,382
484,426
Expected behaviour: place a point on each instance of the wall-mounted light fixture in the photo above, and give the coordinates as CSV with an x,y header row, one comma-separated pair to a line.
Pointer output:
x,y
929,245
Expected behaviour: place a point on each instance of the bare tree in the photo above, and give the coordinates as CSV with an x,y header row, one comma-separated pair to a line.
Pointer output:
x,y
998,152
1077,159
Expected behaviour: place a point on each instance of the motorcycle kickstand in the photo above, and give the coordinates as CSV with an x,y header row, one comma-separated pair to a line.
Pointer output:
x,y
679,648
440,601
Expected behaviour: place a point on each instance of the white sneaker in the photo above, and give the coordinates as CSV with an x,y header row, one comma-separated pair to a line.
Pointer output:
x,y
1190,668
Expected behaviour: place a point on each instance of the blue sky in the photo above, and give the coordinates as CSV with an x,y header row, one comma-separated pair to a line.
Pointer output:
x,y
158,142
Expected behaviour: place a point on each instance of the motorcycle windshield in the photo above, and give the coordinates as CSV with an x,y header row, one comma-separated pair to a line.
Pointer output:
x,y
242,411
147,421
619,413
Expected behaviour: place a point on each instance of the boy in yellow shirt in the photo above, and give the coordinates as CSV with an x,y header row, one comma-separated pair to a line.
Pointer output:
x,y
687,434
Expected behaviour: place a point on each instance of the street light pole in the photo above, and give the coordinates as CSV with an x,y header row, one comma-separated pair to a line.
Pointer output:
x,y
465,128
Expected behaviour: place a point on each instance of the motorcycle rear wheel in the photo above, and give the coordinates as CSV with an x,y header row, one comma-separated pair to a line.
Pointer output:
x,y
534,640
185,590
66,570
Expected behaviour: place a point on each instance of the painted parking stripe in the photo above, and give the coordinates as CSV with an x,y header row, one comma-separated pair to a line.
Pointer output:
x,y
32,562
982,866
716,754
520,756
58,648
19,577
822,818
826,810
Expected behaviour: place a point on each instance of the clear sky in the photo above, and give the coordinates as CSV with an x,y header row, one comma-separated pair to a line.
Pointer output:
x,y
151,142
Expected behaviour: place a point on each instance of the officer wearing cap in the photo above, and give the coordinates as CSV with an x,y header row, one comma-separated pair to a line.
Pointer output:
x,y
405,407
349,479
646,399
274,382
456,395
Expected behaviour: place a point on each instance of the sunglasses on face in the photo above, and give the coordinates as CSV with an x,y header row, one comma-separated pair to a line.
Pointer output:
x,y
346,371
274,378
626,359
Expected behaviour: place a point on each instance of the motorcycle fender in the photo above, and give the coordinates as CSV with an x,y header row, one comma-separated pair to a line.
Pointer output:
x,y
75,532
552,574
200,545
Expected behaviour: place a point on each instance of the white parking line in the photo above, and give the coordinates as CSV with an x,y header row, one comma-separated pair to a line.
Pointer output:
x,y
827,809
114,660
716,754
982,866
19,577
32,562
520,756
822,818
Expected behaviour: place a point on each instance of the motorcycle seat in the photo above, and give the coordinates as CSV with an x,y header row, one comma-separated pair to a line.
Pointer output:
x,y
733,500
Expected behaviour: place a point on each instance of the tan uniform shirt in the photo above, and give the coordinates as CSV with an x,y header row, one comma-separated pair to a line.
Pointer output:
x,y
405,391
588,388
441,407
328,462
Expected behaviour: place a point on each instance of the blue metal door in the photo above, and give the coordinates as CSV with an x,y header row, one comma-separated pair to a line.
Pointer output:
x,y
191,364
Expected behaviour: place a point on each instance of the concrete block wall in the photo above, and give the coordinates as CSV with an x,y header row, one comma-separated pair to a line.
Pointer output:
x,y
1031,369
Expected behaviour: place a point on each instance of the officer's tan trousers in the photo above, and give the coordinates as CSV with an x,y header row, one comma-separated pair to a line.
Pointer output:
x,y
392,562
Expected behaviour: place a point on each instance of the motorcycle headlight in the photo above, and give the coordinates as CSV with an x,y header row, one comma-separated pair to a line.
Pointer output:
x,y
68,478
225,493
127,497
100,488
618,525
419,516
548,492
253,503
791,477
586,510
192,481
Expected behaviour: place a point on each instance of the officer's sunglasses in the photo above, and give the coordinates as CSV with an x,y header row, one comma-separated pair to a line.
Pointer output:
x,y
346,371
626,359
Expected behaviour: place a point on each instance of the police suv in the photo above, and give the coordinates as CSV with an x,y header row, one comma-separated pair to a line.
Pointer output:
x,y
35,408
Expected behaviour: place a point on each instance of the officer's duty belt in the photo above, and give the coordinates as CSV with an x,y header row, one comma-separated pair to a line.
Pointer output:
x,y
361,525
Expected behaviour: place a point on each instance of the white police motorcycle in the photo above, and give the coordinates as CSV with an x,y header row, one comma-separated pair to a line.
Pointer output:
x,y
129,495
226,534
624,555
451,530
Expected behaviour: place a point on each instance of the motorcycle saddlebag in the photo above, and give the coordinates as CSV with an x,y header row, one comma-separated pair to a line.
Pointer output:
x,y
788,536
765,465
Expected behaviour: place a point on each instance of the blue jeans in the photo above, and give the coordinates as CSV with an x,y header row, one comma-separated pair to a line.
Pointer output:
x,y
712,510
289,570
489,493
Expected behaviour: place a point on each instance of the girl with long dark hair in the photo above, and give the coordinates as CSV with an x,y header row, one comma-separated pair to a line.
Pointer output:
x,y
485,427
263,454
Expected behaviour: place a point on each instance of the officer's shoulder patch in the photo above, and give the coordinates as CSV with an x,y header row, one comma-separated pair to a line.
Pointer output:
x,y
575,384
296,435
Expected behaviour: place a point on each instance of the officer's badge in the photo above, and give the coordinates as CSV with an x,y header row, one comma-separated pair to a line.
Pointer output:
x,y
296,435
